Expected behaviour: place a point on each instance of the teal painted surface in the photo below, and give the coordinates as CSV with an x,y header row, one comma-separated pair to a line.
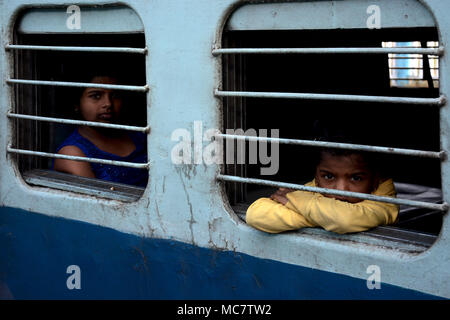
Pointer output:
x,y
320,15
186,203
93,20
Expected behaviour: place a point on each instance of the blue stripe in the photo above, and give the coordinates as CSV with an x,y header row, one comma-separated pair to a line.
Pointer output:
x,y
35,251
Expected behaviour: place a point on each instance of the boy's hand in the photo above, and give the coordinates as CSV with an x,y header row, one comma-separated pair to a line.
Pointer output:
x,y
280,195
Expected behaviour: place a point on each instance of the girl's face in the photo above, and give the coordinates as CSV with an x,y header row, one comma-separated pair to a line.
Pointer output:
x,y
346,173
100,105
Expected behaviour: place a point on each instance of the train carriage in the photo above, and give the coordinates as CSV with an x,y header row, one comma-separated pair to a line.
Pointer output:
x,y
207,83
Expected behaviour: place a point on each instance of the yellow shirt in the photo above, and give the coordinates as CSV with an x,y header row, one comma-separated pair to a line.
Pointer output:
x,y
310,209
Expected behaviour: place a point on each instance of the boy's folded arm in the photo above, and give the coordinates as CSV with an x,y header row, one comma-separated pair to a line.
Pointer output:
x,y
273,217
343,217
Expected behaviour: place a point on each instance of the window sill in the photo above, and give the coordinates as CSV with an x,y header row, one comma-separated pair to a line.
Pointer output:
x,y
389,237
88,186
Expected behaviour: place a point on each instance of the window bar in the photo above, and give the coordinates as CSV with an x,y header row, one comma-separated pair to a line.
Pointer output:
x,y
85,159
428,51
79,85
411,78
80,122
78,49
412,68
336,97
412,58
337,145
435,206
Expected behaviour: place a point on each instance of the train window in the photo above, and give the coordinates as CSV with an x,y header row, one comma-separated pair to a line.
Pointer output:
x,y
54,55
412,70
286,73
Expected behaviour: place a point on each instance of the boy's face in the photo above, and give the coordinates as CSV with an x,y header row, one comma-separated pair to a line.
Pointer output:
x,y
345,172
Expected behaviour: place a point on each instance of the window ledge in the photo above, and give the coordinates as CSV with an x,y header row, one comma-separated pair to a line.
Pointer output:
x,y
89,186
390,237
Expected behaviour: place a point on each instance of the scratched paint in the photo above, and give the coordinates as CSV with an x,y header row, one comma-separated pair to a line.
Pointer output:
x,y
185,208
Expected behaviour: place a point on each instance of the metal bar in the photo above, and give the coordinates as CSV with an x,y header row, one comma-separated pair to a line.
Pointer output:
x,y
433,51
79,85
413,79
79,122
433,47
412,68
435,206
337,145
84,159
78,49
336,97
412,58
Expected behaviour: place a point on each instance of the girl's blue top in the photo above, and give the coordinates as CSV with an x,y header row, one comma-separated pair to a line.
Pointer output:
x,y
133,176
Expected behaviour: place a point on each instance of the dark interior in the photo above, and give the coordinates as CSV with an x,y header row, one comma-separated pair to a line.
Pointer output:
x,y
379,124
58,101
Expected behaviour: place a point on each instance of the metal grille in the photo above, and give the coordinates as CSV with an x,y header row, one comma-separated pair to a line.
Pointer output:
x,y
433,102
11,115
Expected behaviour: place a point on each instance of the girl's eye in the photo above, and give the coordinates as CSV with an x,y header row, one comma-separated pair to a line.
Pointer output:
x,y
357,178
95,96
328,176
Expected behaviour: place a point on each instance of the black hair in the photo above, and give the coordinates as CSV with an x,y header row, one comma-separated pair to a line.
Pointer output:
x,y
86,75
343,131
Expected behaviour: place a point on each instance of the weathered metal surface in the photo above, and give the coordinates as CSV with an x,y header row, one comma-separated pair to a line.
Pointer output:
x,y
313,15
89,186
118,19
185,203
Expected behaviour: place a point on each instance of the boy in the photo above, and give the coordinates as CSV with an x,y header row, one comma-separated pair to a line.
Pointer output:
x,y
336,169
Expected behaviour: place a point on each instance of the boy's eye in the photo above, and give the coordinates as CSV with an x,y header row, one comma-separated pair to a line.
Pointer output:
x,y
357,178
328,176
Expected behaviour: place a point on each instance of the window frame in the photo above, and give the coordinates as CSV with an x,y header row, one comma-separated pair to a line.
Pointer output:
x,y
382,236
37,178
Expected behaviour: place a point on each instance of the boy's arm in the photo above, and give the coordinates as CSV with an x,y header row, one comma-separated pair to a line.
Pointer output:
x,y
273,217
343,217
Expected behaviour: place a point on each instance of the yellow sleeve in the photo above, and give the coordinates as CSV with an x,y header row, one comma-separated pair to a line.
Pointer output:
x,y
343,217
273,217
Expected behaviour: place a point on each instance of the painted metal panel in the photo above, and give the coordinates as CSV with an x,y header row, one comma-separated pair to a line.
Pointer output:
x,y
316,15
185,203
117,19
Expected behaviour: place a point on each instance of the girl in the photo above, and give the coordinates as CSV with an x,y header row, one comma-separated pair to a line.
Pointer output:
x,y
103,105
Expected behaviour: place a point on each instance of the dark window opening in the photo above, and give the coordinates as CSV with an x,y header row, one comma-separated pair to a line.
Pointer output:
x,y
58,101
378,124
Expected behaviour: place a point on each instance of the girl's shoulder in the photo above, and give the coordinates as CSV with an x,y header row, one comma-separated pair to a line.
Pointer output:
x,y
137,136
72,140
77,140
139,140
